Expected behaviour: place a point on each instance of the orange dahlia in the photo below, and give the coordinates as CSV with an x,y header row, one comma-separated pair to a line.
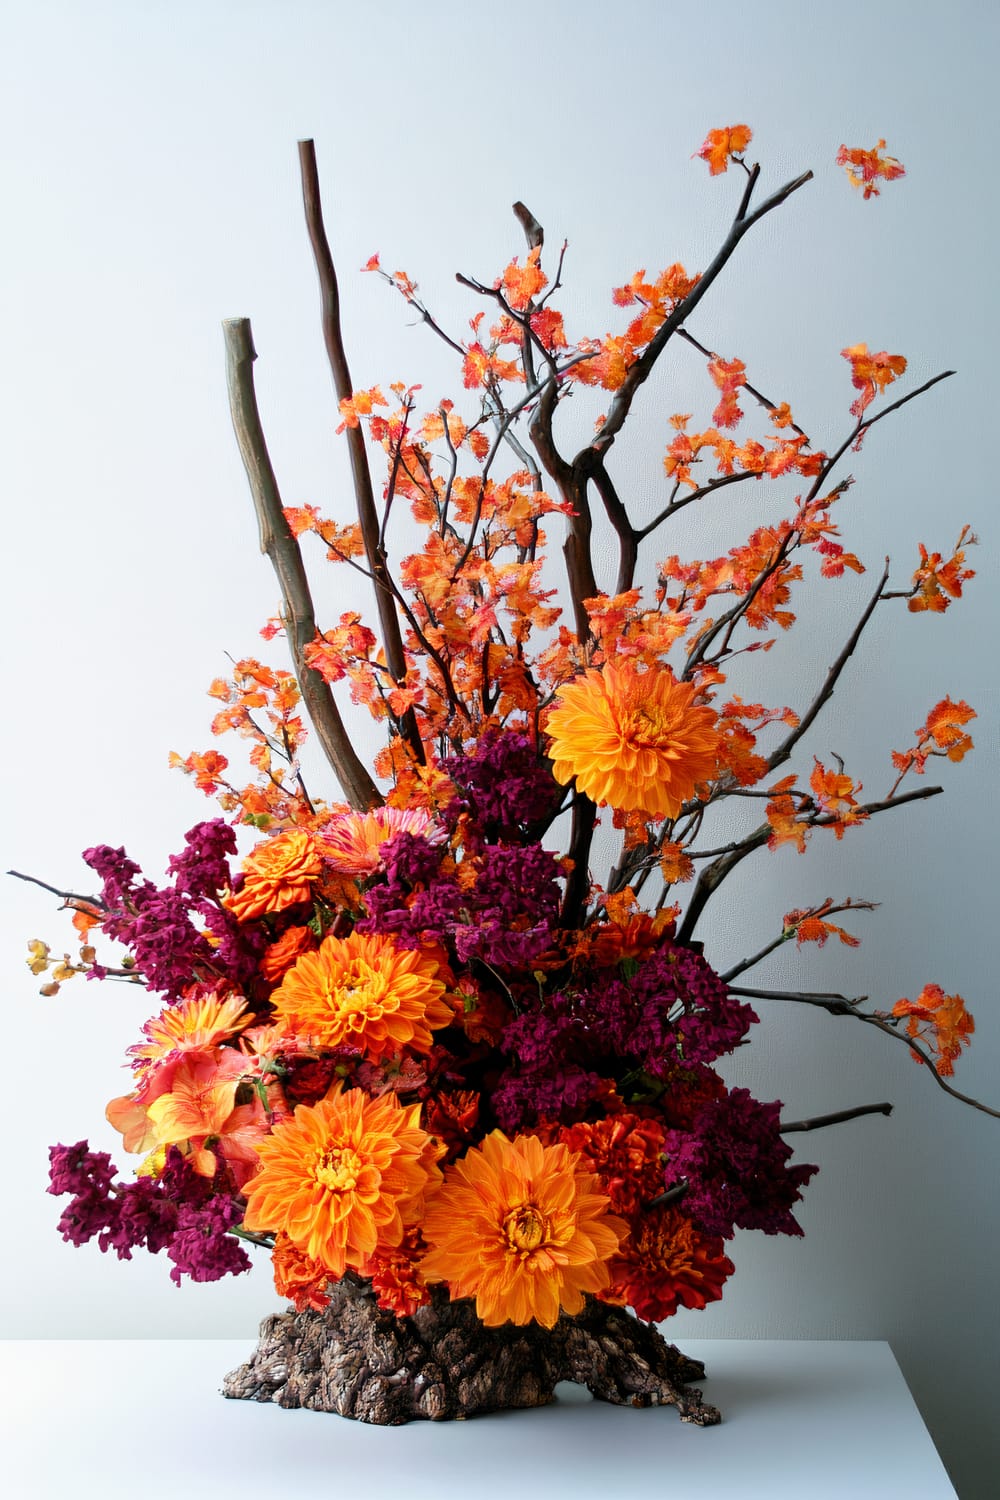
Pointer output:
x,y
277,875
522,1229
667,1262
363,992
636,740
343,1178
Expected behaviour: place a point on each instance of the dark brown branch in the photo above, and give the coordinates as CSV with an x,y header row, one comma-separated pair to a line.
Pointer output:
x,y
784,750
840,1005
751,390
678,503
570,480
578,883
277,541
640,371
392,636
628,537
786,935
863,426
673,1194
67,896
752,174
533,231
819,1122
713,875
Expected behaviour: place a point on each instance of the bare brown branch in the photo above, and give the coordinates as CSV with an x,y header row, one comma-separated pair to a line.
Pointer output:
x,y
640,371
840,1005
820,1122
282,549
784,750
392,636
72,898
713,875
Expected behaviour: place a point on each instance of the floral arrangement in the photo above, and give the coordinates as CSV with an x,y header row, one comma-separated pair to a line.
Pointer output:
x,y
415,1040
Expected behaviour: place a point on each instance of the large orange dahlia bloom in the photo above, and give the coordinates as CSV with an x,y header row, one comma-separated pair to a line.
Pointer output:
x,y
364,992
277,875
522,1229
343,1178
636,740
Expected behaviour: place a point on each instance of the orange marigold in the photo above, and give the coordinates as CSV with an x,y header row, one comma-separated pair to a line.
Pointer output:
x,y
522,1229
665,1263
297,1277
627,1154
281,955
277,875
363,992
636,740
395,1276
343,1178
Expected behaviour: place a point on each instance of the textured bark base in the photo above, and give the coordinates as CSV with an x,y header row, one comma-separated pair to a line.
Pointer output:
x,y
361,1362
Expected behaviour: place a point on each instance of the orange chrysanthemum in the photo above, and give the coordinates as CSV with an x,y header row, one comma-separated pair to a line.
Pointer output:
x,y
363,992
277,875
351,841
522,1229
665,1263
636,740
343,1178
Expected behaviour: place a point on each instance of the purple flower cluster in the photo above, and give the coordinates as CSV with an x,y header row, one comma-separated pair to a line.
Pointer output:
x,y
736,1165
504,784
202,868
672,1015
555,1073
163,927
507,917
180,1212
673,1008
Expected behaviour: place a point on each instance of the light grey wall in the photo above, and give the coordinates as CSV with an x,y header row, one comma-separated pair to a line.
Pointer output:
x,y
150,189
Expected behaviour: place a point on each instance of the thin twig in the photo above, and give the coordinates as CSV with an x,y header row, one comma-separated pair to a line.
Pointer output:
x,y
784,750
840,1005
819,1122
640,371
751,390
66,895
730,856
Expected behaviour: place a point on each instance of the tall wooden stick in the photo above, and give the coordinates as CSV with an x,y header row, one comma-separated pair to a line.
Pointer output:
x,y
371,531
277,542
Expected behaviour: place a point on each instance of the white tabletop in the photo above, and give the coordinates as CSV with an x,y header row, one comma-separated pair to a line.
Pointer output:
x,y
143,1420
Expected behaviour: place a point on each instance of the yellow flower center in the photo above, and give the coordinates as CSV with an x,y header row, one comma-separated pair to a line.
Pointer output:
x,y
362,995
524,1229
338,1169
646,725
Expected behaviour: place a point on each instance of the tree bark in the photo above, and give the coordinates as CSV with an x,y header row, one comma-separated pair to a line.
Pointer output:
x,y
355,1359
